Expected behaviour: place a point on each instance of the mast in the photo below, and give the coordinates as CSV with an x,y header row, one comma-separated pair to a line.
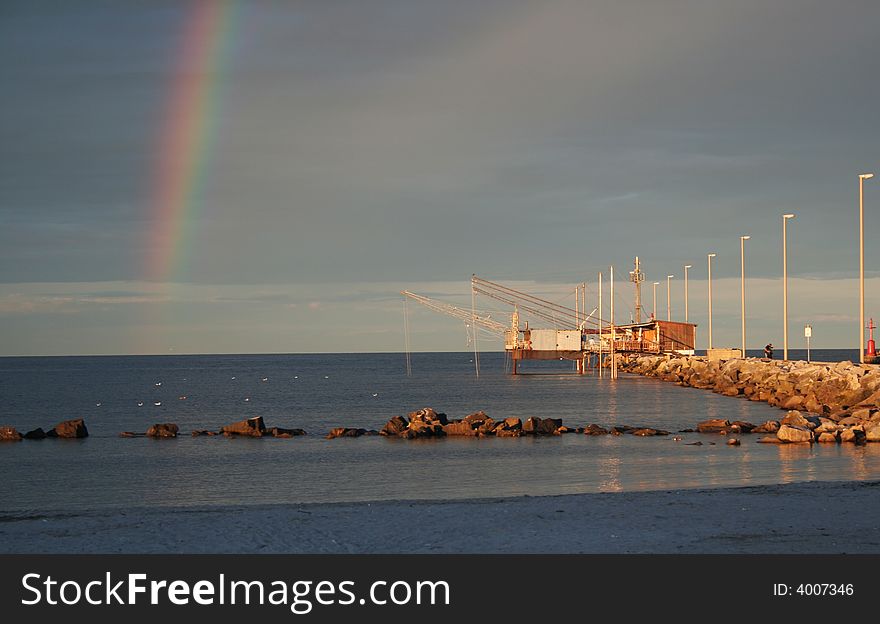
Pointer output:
x,y
637,277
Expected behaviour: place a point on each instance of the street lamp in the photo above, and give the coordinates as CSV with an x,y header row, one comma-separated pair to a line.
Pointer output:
x,y
709,257
785,219
862,178
686,267
742,288
668,303
655,299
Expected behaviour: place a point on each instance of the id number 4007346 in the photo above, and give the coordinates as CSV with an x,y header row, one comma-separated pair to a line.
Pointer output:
x,y
814,589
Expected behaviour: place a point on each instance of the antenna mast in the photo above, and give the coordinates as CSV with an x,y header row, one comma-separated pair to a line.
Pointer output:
x,y
637,277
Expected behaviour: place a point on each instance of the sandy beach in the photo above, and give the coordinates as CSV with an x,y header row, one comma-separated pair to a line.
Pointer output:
x,y
812,517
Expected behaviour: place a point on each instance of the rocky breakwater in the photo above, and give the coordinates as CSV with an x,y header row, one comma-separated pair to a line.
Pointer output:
x,y
428,423
832,390
75,428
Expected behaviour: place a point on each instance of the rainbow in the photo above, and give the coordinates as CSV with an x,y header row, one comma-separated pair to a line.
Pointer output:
x,y
186,137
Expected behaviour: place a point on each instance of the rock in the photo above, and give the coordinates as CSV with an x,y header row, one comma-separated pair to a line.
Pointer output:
x,y
424,430
252,427
512,423
795,418
872,434
428,416
203,432
280,432
827,437
508,433
713,425
531,424
733,442
743,426
595,430
162,430
549,426
35,434
69,429
488,427
852,434
770,440
620,429
395,426
693,444
860,415
459,428
794,433
826,425
476,419
345,432
9,434
792,403
647,431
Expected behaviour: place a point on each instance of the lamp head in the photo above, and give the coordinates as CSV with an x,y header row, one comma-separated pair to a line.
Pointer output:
x,y
866,176
669,276
711,255
745,237
656,283
790,215
688,266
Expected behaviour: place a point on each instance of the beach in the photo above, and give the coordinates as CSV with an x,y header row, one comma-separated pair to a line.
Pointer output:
x,y
809,517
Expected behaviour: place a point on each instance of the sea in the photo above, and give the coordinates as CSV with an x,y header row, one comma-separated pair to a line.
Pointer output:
x,y
317,392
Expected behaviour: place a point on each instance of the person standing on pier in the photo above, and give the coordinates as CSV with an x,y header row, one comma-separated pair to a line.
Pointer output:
x,y
768,351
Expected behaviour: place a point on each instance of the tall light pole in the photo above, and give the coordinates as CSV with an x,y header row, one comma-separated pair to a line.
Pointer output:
x,y
742,288
785,219
709,257
862,178
668,303
655,299
686,267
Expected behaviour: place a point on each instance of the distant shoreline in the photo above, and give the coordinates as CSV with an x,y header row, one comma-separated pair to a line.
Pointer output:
x,y
807,517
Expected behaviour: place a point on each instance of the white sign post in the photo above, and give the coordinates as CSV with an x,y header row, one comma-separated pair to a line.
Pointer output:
x,y
808,333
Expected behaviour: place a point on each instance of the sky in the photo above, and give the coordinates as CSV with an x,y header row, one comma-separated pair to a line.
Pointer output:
x,y
353,149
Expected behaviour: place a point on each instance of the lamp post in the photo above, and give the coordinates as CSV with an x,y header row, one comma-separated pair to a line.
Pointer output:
x,y
785,219
655,299
686,267
709,257
668,302
742,288
862,178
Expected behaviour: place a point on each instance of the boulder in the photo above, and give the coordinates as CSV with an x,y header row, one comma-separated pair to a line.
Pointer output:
x,y
595,430
395,426
280,432
549,426
69,429
459,428
648,431
742,426
428,416
131,434
861,414
733,442
162,430
501,432
531,424
9,434
827,437
476,419
794,433
203,432
512,423
488,427
713,425
345,432
252,427
872,434
35,434
852,434
795,418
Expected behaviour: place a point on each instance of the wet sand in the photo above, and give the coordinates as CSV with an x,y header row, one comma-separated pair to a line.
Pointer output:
x,y
813,517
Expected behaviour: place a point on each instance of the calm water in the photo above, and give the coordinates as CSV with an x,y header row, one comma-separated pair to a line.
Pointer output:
x,y
318,392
